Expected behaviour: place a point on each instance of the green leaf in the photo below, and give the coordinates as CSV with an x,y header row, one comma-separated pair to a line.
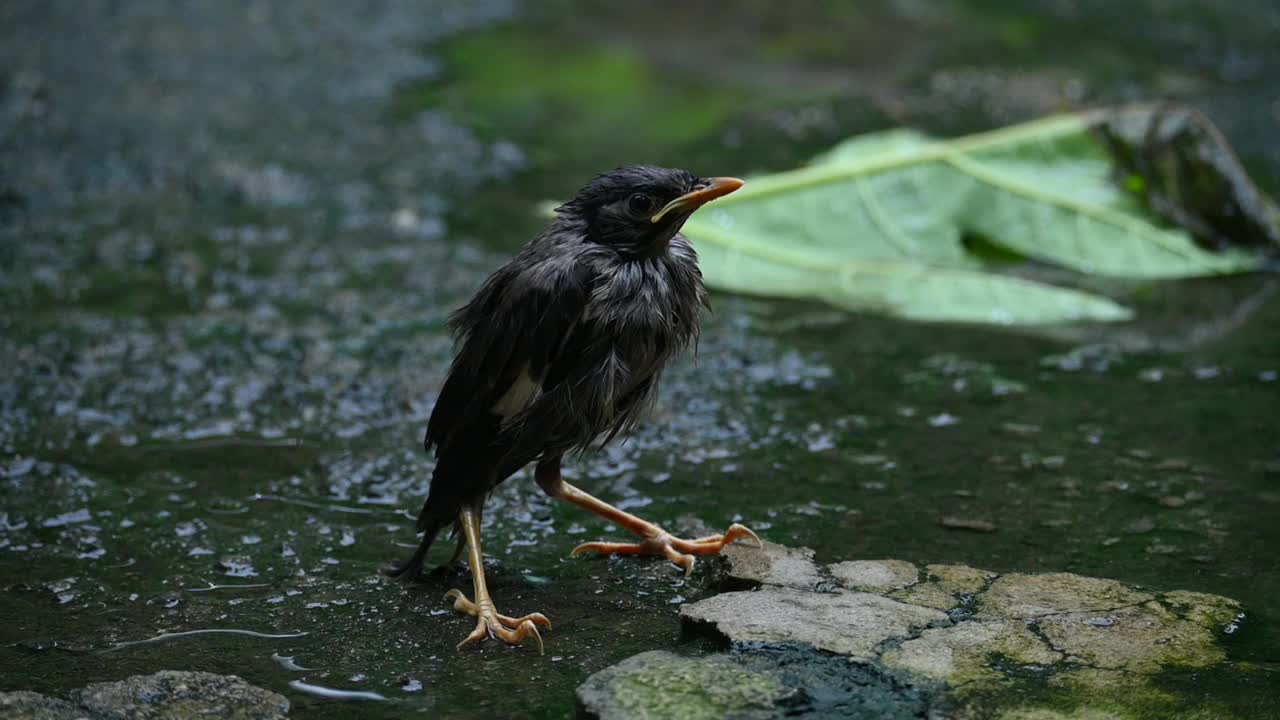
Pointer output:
x,y
905,289
877,224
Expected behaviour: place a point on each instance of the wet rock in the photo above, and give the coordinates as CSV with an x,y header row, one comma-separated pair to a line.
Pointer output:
x,y
1026,597
747,566
1140,639
875,575
661,684
921,641
176,694
848,623
23,705
166,695
930,595
760,681
959,578
961,654
1212,612
948,586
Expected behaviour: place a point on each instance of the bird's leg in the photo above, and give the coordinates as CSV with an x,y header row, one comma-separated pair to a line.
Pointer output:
x,y
489,621
654,540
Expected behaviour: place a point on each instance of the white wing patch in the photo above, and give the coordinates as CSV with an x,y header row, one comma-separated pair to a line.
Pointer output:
x,y
519,396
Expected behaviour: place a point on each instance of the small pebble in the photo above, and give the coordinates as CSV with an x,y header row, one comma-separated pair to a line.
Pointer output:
x,y
972,524
1140,526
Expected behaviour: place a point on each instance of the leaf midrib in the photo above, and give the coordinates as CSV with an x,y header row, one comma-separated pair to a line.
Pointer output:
x,y
937,150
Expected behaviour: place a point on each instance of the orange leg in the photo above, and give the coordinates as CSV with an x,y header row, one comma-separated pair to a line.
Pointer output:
x,y
654,540
489,622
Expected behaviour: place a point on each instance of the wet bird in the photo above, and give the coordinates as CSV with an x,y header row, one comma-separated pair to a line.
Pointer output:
x,y
561,349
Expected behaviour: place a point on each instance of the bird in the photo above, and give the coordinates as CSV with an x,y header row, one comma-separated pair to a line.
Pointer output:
x,y
560,351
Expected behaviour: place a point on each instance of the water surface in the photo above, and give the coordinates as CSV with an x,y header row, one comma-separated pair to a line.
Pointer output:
x,y
230,234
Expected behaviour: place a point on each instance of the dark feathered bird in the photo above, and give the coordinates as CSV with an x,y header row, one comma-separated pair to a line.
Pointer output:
x,y
562,349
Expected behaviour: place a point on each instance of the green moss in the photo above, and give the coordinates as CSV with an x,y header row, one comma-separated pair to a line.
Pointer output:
x,y
1120,701
661,685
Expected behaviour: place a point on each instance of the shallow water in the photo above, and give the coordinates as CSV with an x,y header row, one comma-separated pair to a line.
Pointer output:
x,y
229,236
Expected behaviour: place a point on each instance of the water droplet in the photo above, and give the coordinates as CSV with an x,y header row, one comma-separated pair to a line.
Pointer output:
x,y
69,518
1206,373
238,566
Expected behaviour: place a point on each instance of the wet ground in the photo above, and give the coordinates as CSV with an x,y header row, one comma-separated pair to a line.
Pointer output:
x,y
230,233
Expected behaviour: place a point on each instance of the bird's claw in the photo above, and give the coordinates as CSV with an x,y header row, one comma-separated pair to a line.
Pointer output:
x,y
491,623
679,551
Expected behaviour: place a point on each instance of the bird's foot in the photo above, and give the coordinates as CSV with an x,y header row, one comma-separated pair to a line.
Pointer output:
x,y
681,552
491,623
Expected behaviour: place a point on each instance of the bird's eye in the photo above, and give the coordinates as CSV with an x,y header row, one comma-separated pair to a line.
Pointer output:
x,y
641,204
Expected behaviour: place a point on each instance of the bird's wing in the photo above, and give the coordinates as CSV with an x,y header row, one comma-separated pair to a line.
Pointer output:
x,y
589,394
511,334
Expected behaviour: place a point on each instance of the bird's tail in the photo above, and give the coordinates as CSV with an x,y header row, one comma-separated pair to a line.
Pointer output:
x,y
410,568
438,512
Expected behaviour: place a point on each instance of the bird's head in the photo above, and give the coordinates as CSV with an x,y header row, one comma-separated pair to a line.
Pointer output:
x,y
637,209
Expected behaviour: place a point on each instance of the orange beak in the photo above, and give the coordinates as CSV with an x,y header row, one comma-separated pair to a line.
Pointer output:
x,y
708,189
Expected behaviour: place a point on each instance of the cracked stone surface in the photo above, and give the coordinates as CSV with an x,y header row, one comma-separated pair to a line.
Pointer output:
x,y
961,653
946,586
166,695
1140,639
773,565
848,623
1032,596
956,633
